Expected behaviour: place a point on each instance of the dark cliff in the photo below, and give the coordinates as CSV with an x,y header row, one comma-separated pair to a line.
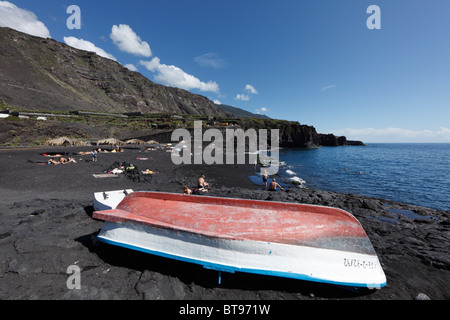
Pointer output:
x,y
294,134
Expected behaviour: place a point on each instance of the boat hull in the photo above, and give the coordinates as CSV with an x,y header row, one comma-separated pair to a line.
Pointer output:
x,y
305,259
108,200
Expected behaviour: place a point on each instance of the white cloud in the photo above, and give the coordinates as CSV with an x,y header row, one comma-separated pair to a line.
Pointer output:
x,y
261,110
151,65
128,41
131,67
246,97
242,97
210,59
176,77
395,135
22,20
88,46
217,102
251,89
328,87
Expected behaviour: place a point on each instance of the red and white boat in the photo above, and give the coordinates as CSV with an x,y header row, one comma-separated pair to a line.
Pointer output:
x,y
290,240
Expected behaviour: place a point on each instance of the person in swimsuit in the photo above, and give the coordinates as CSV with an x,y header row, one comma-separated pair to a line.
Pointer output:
x,y
264,179
273,186
202,183
94,155
51,161
186,190
71,159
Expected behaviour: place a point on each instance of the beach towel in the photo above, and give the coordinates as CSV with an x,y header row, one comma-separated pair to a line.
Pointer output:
x,y
105,175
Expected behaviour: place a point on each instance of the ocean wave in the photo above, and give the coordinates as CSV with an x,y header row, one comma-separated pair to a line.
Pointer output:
x,y
298,179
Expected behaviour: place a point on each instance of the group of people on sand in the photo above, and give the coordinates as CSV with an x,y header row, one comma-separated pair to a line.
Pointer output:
x,y
202,187
61,160
95,152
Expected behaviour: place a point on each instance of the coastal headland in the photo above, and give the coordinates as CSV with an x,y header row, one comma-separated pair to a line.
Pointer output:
x,y
47,226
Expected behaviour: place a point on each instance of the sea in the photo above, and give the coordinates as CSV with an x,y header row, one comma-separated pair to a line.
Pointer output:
x,y
414,173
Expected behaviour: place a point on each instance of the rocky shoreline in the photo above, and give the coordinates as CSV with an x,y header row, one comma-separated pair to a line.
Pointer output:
x,y
47,226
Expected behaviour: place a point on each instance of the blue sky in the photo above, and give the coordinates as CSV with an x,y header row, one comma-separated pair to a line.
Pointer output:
x,y
313,61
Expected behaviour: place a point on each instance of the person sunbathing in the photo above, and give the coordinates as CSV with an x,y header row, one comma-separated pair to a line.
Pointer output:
x,y
186,190
147,171
52,161
202,184
71,159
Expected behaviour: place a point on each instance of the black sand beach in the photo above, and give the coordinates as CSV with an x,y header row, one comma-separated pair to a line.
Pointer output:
x,y
46,226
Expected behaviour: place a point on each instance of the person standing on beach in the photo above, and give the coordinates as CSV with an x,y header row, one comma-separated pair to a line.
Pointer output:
x,y
273,186
264,179
94,155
